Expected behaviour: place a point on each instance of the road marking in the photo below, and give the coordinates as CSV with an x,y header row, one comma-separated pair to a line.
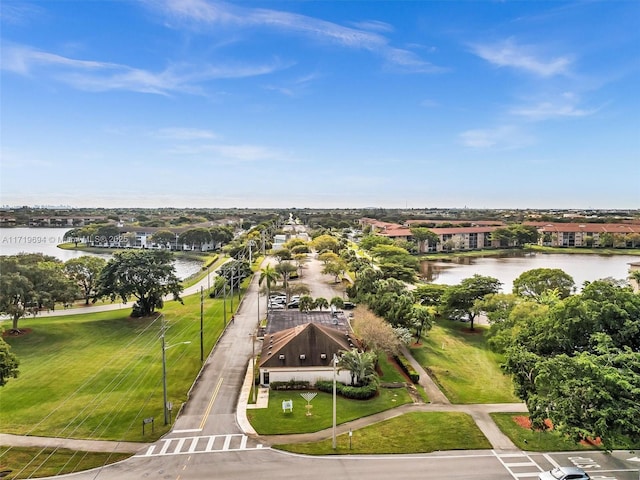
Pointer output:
x,y
193,445
210,406
187,430
551,460
227,442
508,462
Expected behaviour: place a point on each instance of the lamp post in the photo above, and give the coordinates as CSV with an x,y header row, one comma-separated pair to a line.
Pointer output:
x,y
164,373
335,364
253,364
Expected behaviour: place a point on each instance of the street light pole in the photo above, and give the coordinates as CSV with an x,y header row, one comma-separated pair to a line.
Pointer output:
x,y
335,363
253,364
164,378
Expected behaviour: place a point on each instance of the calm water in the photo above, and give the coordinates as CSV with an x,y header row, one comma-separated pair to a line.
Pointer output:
x,y
581,267
46,240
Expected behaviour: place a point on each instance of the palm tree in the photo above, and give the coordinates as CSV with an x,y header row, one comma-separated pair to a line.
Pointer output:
x,y
305,304
337,302
321,303
285,269
361,365
270,277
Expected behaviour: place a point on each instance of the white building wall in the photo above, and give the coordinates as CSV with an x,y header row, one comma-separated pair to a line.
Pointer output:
x,y
310,374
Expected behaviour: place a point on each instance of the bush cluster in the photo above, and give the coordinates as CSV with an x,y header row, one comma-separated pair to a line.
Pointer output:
x,y
407,368
356,393
290,385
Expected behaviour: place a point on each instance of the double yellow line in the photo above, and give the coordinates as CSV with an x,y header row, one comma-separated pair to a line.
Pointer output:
x,y
210,406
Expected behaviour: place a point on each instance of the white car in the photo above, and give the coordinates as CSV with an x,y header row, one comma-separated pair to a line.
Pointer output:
x,y
564,473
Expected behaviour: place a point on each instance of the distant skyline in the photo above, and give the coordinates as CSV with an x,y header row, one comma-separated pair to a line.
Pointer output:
x,y
320,104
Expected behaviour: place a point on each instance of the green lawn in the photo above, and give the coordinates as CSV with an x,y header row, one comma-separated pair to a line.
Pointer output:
x,y
535,441
47,462
273,421
99,375
463,366
416,432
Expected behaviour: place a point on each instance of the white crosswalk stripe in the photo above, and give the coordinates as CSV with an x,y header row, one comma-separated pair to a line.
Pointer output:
x,y
201,444
519,465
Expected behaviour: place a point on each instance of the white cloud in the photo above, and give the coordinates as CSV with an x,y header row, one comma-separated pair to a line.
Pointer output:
x,y
229,152
178,133
566,105
522,57
506,137
364,38
102,76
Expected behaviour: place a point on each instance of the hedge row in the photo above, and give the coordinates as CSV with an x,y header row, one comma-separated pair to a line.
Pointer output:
x,y
290,385
407,368
348,391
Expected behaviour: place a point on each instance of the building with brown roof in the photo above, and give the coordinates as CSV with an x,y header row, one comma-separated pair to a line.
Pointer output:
x,y
304,352
620,235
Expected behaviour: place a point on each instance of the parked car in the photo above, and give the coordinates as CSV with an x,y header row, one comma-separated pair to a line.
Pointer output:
x,y
276,306
349,305
293,305
564,473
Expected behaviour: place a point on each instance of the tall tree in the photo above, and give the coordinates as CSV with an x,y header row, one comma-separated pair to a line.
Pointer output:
x,y
85,271
534,283
324,243
8,363
195,237
460,300
424,237
30,282
577,362
423,318
165,238
269,276
361,365
146,275
285,269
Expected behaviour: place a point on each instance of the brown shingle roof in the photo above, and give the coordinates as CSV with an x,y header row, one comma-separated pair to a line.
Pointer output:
x,y
308,345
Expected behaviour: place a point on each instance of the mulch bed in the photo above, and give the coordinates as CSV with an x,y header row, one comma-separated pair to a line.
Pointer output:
x,y
524,422
14,333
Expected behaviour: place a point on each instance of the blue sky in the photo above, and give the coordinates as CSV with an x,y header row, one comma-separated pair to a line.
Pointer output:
x,y
199,103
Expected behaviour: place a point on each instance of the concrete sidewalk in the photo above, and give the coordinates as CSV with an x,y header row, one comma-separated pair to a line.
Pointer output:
x,y
71,444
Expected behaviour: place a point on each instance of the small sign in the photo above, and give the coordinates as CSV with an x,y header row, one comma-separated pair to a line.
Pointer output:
x,y
287,405
169,406
146,421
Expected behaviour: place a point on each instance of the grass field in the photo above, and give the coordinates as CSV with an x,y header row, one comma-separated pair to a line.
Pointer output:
x,y
273,421
48,462
417,432
462,364
98,375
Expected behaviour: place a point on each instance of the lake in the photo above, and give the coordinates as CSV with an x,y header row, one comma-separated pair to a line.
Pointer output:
x,y
582,268
46,240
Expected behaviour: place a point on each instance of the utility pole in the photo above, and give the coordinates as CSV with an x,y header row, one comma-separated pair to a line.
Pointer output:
x,y
224,302
232,273
335,363
201,325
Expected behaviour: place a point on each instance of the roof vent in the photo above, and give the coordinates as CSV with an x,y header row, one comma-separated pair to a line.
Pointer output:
x,y
302,356
281,357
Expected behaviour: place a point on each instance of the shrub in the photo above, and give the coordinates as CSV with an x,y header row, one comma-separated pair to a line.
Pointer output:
x,y
290,385
356,393
407,368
